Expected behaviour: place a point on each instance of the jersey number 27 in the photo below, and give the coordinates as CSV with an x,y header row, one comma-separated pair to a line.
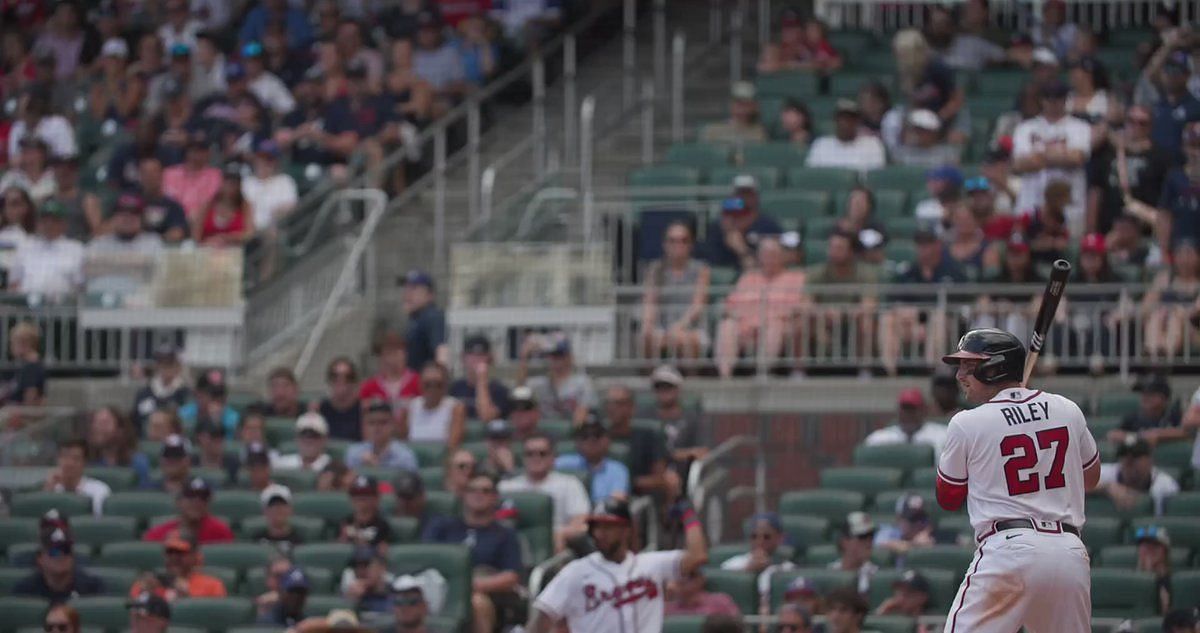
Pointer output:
x,y
1022,455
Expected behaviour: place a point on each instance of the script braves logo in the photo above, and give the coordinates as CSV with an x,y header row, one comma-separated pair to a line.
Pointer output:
x,y
621,595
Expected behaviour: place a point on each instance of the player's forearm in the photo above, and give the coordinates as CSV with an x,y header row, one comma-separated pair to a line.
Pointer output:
x,y
695,546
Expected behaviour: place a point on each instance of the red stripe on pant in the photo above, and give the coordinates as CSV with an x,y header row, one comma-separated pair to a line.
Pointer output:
x,y
963,598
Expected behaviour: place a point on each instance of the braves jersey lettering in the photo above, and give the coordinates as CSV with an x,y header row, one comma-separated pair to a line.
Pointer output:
x,y
596,595
630,592
1031,412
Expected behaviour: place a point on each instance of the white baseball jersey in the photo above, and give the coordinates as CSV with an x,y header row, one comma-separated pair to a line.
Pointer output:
x,y
1035,136
596,595
1022,454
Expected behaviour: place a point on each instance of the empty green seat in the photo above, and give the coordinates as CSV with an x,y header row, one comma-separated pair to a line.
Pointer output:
x,y
683,624
238,556
1100,505
890,624
1121,593
1101,532
331,507
21,612
796,205
321,605
781,155
105,612
452,561
821,178
406,529
1117,404
1184,504
441,502
952,558
819,228
118,478
117,580
434,477
767,177
280,430
1125,556
535,521
133,555
803,531
901,228
796,84
214,614
698,155
900,250
310,529
739,585
10,576
35,504
320,579
142,505
867,480
825,580
15,530
297,479
429,453
99,531
832,505
330,556
1173,455
896,177
902,456
1002,83
664,176
1185,588
922,478
236,505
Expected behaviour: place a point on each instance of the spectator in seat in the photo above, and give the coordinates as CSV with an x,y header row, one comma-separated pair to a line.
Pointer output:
x,y
928,83
174,466
269,89
1053,146
253,427
734,236
647,451
58,578
162,214
525,414
845,611
194,519
148,613
283,395
1046,228
379,447
765,555
272,195
608,477
37,120
944,185
923,145
1154,557
495,551
745,327
342,409
112,442
743,124
162,423
312,134
874,103
180,27
366,525
686,596
183,578
803,45
409,607
1089,99
911,425
434,416
912,528
227,220
849,147
859,215
312,438
484,397
795,122
287,609
127,236
27,386
906,323
299,30
1176,108
959,48
968,247
855,546
19,219
794,618
565,392
366,581
194,182
210,440
1135,475
570,499
277,510
210,403
68,475
348,40
526,23
394,383
499,459
30,170
83,206
458,471
410,499
257,465
437,62
166,388
842,267
62,618
910,596
1170,302
1146,167
1157,419
1053,30
1179,198
676,291
49,263
944,393
425,336
681,425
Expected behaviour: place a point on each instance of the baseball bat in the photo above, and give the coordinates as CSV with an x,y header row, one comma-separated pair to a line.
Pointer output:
x,y
1045,316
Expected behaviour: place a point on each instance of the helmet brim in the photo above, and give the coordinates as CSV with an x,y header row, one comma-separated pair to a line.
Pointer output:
x,y
961,355
607,518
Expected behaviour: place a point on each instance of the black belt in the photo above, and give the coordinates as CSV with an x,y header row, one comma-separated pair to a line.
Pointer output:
x,y
1022,524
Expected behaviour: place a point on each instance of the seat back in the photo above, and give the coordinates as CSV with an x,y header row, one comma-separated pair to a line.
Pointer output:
x,y
35,504
1123,593
99,531
453,562
139,555
142,506
213,614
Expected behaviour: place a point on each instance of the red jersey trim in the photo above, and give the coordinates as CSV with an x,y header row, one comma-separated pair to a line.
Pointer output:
x,y
951,480
1095,458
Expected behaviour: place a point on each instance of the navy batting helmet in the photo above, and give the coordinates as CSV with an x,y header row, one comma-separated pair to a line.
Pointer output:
x,y
1001,354
610,511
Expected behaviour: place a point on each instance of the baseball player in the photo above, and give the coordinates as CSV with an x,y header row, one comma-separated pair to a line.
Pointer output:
x,y
614,590
1022,460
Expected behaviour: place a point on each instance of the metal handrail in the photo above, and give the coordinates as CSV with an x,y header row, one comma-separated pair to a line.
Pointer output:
x,y
697,472
644,511
538,574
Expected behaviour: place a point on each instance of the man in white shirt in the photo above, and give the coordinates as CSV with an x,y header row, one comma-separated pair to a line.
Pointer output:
x,y
127,236
1190,424
911,426
271,194
68,475
847,148
570,499
312,437
1053,146
1135,474
49,263
263,84
37,119
856,546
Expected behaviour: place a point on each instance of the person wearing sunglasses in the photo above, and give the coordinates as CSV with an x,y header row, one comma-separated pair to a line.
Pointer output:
x,y
569,498
856,545
379,446
312,442
1154,557
410,499
58,577
793,618
675,296
366,524
458,471
148,613
341,408
61,618
409,607
767,550
608,477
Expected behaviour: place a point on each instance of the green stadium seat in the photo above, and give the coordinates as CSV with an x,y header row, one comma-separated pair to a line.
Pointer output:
x,y
99,531
1143,625
117,580
440,502
434,477
1100,425
825,580
151,449
923,478
118,478
298,480
104,612
280,430
15,530
683,624
890,624
329,556
832,505
848,43
429,453
331,507
663,176
404,529
786,84
718,554
900,177
236,505
1184,504
819,227
782,155
320,579
825,553
10,576
701,156
138,555
1100,505
821,178
740,585
310,529
796,205
227,575
1120,593
1184,530
1117,404
35,504
900,250
867,480
20,612
1001,83
768,177
1125,557
901,228
254,629
803,531
452,561
1185,588
321,605
142,505
902,456
847,83
1101,532
885,502
1173,455
213,614
535,521
952,558
238,556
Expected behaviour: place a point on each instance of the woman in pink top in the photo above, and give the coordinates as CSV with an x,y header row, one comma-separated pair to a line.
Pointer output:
x,y
761,306
194,182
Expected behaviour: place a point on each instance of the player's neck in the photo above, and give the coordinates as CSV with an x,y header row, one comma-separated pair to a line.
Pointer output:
x,y
618,558
995,390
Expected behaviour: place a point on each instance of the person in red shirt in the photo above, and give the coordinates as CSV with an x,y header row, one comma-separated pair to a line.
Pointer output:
x,y
455,11
395,383
194,520
226,221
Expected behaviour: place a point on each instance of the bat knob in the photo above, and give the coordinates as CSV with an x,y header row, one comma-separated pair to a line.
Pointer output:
x,y
1062,264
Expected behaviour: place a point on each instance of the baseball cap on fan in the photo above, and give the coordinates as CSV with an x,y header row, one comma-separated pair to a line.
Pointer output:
x,y
925,120
859,524
911,507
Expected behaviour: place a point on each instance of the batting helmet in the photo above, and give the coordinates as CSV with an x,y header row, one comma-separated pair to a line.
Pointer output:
x,y
610,511
1002,354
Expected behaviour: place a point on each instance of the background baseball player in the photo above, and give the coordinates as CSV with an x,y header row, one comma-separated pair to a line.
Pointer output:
x,y
1022,460
614,590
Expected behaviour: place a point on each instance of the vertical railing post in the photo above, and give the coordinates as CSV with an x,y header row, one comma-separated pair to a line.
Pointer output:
x,y
678,48
714,21
539,114
474,131
629,65
570,128
587,113
487,185
735,42
764,23
660,41
439,199
648,122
